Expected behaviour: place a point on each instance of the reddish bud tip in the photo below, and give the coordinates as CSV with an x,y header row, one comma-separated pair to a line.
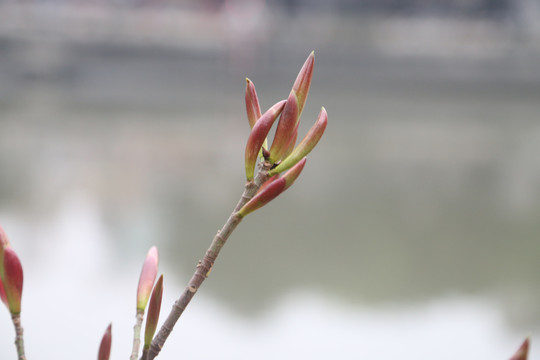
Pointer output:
x,y
105,346
147,278
253,108
291,175
258,135
287,125
12,280
523,352
303,81
306,145
265,194
4,242
153,313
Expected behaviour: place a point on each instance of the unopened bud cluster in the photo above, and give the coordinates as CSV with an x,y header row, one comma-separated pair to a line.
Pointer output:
x,y
284,160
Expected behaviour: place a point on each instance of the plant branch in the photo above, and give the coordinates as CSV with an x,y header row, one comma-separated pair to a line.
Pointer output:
x,y
19,339
137,335
205,265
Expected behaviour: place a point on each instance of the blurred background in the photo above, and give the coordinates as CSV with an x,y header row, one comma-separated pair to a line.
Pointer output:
x,y
412,233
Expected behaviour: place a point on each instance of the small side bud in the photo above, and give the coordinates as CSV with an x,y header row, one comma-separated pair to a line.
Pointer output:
x,y
258,135
253,108
523,352
264,196
306,145
105,346
153,313
147,278
272,188
12,280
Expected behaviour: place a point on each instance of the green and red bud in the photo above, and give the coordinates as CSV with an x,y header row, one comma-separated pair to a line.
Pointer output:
x,y
303,81
288,124
271,189
11,276
12,279
105,346
258,135
153,313
285,129
523,352
291,175
147,278
253,108
306,145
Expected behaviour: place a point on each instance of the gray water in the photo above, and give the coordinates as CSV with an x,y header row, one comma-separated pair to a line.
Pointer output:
x,y
414,223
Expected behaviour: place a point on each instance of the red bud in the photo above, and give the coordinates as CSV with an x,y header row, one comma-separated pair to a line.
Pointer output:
x,y
252,103
291,114
153,312
12,279
272,188
263,197
523,351
105,346
303,81
147,278
291,175
286,127
258,135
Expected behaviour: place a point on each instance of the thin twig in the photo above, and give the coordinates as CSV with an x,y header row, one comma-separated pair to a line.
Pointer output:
x,y
137,335
19,339
205,265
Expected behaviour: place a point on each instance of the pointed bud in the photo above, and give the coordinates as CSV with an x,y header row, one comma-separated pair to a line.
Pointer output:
x,y
523,351
268,192
291,114
303,81
258,135
153,313
105,346
253,108
285,129
306,145
12,280
147,278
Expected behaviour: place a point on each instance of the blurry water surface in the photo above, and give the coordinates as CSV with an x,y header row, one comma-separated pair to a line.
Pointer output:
x,y
413,231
